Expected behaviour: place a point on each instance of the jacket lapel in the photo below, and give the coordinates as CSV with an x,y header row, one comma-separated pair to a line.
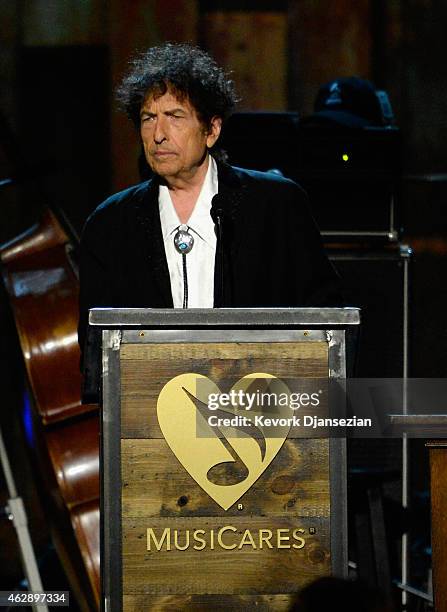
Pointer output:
x,y
231,195
149,218
231,189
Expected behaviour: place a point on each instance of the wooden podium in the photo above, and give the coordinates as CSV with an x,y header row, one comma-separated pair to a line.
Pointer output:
x,y
438,486
194,516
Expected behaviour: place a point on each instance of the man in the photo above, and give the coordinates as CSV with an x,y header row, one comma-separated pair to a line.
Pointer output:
x,y
199,233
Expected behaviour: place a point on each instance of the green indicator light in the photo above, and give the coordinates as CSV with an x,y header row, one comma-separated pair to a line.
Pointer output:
x,y
345,157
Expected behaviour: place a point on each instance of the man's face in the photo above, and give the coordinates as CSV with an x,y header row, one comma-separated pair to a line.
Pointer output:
x,y
175,141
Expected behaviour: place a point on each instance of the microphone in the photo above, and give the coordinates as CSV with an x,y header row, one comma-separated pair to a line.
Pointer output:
x,y
217,213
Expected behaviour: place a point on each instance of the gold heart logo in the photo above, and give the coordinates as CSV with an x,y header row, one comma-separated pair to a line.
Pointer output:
x,y
228,459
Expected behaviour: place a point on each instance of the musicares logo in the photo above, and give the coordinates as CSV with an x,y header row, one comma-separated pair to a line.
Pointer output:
x,y
225,461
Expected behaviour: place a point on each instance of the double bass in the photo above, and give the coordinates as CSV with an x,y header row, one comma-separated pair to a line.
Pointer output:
x,y
40,275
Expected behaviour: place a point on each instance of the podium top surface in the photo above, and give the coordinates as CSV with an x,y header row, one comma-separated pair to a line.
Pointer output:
x,y
276,317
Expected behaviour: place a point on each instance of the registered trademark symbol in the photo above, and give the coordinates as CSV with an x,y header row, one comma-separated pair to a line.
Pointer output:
x,y
312,530
240,507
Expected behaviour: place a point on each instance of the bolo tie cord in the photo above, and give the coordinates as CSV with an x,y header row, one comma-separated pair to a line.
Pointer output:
x,y
183,242
185,282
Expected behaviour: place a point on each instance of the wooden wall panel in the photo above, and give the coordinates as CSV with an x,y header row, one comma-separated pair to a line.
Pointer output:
x,y
326,40
133,27
253,45
64,23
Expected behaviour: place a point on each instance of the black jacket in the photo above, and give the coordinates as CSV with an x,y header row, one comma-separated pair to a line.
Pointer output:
x,y
272,249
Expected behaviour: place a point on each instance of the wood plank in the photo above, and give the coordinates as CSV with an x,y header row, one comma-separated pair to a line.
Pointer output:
x,y
225,350
143,422
147,368
155,484
438,465
245,569
205,603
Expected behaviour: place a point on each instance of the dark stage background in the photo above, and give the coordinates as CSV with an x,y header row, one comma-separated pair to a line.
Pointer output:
x,y
65,143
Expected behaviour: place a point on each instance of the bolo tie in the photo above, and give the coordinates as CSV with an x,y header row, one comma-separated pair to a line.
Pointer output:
x,y
183,242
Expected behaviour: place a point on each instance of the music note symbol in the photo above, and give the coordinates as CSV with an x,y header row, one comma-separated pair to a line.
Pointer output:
x,y
234,471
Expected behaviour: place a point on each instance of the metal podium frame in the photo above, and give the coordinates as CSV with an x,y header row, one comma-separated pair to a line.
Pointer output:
x,y
124,326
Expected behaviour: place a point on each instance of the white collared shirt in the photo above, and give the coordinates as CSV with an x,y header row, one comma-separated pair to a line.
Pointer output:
x,y
200,260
